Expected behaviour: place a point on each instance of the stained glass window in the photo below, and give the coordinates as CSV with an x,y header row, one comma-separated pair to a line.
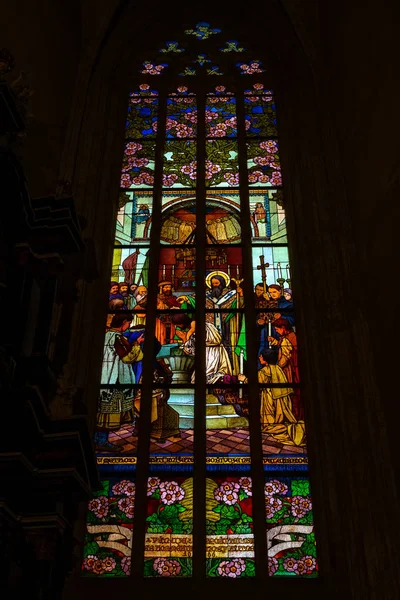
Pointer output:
x,y
200,408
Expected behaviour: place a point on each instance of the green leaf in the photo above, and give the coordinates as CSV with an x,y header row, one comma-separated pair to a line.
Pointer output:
x,y
229,512
300,487
170,513
250,569
90,548
218,508
148,570
181,508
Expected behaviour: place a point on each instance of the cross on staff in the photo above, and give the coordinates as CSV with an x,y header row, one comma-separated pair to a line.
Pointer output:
x,y
263,268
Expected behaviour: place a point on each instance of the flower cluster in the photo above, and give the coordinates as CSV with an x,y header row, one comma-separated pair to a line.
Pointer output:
x,y
124,487
167,567
132,147
272,503
151,69
153,484
269,146
171,492
211,169
99,507
169,180
231,568
190,169
269,160
253,67
301,505
301,566
272,566
232,179
228,491
98,566
127,506
126,565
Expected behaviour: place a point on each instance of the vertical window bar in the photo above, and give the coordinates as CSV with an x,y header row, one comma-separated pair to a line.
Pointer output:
x,y
148,351
252,358
199,470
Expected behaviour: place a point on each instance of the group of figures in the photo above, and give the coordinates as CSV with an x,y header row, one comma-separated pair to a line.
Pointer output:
x,y
225,352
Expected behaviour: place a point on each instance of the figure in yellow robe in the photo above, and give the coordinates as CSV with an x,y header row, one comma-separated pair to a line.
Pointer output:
x,y
276,408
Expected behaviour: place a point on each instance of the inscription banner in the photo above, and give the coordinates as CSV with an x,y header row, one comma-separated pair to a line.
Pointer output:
x,y
168,544
230,546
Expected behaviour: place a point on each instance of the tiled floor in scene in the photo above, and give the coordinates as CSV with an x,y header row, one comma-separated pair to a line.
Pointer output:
x,y
224,441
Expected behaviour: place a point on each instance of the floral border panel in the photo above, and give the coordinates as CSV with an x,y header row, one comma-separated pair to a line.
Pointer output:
x,y
229,527
181,117
263,164
138,164
221,117
222,166
109,528
169,527
290,528
260,116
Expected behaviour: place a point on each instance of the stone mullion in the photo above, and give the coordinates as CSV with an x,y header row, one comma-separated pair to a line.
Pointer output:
x,y
199,524
148,351
251,347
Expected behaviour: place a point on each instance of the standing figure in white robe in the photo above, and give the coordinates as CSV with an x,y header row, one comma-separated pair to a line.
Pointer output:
x,y
218,362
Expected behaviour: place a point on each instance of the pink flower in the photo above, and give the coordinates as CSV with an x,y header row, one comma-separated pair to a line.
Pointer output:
x,y
154,125
246,485
167,567
152,485
132,148
300,506
263,178
191,116
275,503
270,488
125,486
276,178
258,86
220,88
301,568
213,168
171,492
99,506
126,565
227,492
231,568
144,87
310,563
182,89
169,180
98,567
127,506
272,566
136,100
138,162
269,146
252,178
290,564
262,160
89,562
109,563
232,178
266,98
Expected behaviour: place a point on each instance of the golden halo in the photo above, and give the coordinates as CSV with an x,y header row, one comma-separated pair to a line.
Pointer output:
x,y
221,274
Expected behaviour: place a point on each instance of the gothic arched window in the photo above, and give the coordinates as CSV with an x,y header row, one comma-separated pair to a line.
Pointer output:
x,y
200,435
